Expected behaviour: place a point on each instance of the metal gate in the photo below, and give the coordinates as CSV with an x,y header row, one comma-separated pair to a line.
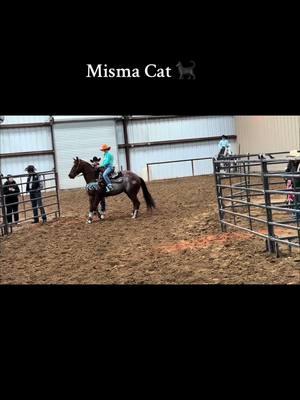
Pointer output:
x,y
13,214
260,197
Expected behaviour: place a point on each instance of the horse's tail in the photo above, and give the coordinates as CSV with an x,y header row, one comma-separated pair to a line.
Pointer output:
x,y
194,64
147,196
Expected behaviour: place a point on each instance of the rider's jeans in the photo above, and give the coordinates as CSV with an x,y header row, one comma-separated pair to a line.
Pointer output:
x,y
108,170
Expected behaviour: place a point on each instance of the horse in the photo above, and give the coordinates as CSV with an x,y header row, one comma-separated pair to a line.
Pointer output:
x,y
225,155
128,183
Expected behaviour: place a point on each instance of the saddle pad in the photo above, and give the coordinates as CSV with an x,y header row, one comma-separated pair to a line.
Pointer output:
x,y
92,186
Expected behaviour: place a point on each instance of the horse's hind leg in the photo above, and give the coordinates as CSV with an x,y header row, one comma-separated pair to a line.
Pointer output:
x,y
101,209
136,204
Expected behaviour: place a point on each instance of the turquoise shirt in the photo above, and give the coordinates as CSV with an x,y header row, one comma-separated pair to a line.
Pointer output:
x,y
223,143
108,159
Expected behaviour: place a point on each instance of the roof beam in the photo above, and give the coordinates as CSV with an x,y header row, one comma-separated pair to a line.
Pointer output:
x,y
171,142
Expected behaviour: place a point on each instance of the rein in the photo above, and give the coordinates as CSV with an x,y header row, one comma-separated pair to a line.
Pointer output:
x,y
81,173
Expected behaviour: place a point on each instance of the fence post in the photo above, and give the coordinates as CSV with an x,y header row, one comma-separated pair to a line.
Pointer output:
x,y
232,194
148,173
193,167
3,208
248,157
56,190
247,193
268,204
219,193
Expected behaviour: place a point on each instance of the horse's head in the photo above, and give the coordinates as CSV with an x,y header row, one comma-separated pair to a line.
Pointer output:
x,y
76,169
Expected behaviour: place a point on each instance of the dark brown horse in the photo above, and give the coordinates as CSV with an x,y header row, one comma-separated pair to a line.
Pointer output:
x,y
128,183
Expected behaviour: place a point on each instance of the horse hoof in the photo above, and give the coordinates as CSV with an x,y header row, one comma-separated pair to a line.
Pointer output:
x,y
102,217
89,221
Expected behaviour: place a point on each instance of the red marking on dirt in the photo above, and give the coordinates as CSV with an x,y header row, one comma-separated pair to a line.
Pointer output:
x,y
204,242
210,240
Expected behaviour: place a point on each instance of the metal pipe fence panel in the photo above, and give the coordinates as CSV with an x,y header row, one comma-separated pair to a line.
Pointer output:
x,y
186,167
28,205
261,198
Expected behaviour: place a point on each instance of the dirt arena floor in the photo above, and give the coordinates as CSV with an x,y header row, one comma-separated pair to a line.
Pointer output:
x,y
179,243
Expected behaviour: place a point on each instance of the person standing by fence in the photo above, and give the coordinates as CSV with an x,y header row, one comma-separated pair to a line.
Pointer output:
x,y
11,200
33,187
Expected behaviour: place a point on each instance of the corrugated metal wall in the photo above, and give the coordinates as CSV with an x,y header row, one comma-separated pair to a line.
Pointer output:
x,y
24,140
16,165
25,119
80,117
257,134
179,128
172,129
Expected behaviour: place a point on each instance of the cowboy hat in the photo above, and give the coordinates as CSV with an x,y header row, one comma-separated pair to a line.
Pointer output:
x,y
294,154
30,168
105,147
95,159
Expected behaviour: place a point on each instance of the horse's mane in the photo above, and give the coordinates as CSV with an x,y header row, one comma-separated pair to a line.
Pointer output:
x,y
84,162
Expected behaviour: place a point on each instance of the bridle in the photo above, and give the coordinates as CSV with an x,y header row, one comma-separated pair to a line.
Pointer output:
x,y
75,173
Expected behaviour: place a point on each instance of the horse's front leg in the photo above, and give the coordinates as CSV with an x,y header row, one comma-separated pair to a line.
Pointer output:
x,y
91,212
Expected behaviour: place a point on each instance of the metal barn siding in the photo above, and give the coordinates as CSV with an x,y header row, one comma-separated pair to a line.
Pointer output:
x,y
25,139
257,134
25,119
65,118
179,128
16,165
122,159
120,133
22,140
175,129
82,139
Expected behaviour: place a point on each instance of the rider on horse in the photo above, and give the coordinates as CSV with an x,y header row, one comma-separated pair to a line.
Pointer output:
x,y
96,164
107,163
224,146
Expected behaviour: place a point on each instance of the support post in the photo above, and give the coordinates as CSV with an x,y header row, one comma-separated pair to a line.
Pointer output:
x,y
56,190
219,193
148,173
125,131
5,229
231,192
248,195
55,164
268,204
